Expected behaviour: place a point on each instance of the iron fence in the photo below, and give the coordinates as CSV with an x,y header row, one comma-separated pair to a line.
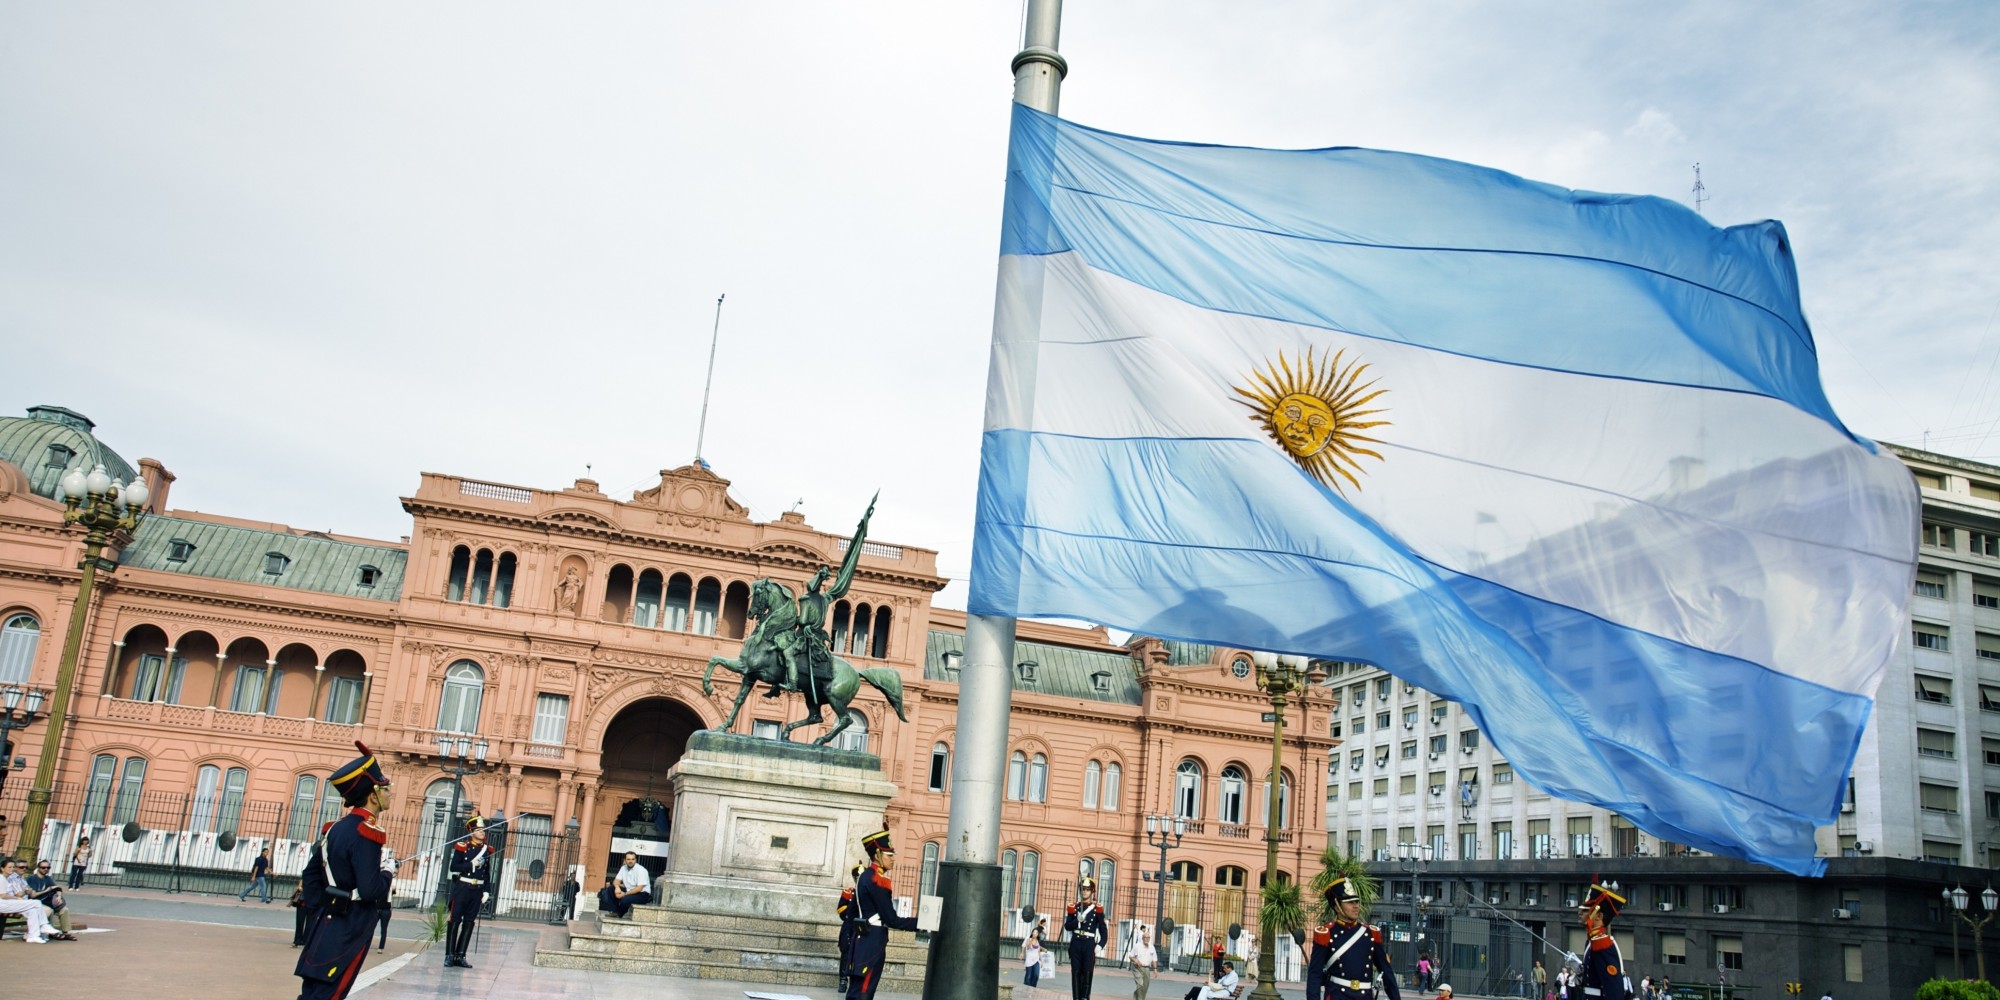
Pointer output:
x,y
1201,915
174,841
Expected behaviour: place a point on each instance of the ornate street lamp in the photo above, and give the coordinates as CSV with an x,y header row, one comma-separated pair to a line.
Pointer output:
x,y
107,510
1278,677
1163,832
1413,860
1958,897
458,756
13,716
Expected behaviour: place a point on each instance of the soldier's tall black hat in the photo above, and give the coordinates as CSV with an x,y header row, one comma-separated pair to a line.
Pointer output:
x,y
1342,891
877,842
360,775
1604,898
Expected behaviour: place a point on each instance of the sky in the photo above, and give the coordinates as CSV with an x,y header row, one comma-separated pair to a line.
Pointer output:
x,y
302,253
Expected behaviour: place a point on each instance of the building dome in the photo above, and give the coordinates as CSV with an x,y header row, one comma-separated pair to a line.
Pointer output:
x,y
52,439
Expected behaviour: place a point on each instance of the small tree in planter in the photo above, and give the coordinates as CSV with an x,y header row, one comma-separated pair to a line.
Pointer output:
x,y
1334,864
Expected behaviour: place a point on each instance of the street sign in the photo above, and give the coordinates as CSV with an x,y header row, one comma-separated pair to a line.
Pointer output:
x,y
1270,716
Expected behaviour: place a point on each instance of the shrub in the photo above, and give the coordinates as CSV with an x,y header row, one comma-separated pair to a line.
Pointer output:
x,y
1957,989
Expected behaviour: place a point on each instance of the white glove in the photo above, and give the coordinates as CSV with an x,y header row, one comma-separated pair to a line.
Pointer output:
x,y
485,897
388,861
875,920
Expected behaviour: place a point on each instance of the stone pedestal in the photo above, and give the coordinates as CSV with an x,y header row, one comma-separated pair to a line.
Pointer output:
x,y
768,829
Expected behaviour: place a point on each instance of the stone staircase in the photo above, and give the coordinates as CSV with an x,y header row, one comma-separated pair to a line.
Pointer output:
x,y
694,945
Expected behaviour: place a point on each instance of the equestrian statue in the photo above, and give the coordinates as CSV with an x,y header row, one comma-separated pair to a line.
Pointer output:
x,y
788,650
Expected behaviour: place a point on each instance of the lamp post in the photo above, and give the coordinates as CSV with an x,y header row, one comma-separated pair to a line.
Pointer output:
x,y
13,716
1413,860
458,756
1958,897
1279,677
1163,832
105,508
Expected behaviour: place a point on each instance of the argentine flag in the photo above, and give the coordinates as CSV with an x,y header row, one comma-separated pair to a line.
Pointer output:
x,y
1561,457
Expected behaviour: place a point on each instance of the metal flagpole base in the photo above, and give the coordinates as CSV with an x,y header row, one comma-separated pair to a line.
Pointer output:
x,y
964,959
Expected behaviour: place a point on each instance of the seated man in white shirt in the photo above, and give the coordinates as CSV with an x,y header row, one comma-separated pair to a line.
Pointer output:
x,y
15,898
1221,989
631,887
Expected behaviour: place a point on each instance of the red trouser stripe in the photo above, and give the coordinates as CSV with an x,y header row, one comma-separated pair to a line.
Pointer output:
x,y
353,966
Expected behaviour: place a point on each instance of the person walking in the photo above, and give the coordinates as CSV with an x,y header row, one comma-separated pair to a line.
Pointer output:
x,y
1085,926
1541,981
1031,956
1144,958
260,877
79,859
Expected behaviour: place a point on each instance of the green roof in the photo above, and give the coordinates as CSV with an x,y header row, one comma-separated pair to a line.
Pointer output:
x,y
1181,654
231,552
26,442
1063,671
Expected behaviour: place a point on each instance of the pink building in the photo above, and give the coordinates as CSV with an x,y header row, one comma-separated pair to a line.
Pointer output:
x,y
227,664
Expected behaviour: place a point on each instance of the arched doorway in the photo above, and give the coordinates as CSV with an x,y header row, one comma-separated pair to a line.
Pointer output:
x,y
635,808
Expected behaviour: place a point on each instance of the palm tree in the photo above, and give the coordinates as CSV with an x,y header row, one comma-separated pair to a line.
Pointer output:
x,y
1333,864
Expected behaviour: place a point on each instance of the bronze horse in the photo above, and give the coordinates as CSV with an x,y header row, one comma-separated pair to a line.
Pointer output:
x,y
775,610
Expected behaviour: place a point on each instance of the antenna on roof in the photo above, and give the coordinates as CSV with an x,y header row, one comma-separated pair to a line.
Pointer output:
x,y
1700,189
800,502
701,430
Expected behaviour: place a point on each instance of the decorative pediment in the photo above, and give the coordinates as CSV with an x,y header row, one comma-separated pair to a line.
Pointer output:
x,y
793,549
692,491
574,516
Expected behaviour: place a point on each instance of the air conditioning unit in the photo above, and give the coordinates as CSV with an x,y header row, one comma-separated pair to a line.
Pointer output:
x,y
1437,790
1843,913
1434,755
1531,901
1493,901
1722,907
1666,907
1407,726
1570,902
1847,807
1354,766
1864,846
1466,751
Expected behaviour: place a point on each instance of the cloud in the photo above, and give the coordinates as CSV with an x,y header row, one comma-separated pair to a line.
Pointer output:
x,y
1656,127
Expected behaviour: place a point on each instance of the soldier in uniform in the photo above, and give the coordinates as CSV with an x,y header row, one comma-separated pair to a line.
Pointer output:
x,y
312,890
1085,926
471,887
849,926
358,867
1356,959
1316,960
1603,966
875,911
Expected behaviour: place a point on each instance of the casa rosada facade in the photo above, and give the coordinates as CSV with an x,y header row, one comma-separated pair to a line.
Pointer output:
x,y
227,665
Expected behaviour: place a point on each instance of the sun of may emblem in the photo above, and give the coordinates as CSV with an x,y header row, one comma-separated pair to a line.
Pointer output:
x,y
1316,413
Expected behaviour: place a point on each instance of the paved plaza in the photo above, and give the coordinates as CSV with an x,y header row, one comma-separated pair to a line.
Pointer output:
x,y
215,948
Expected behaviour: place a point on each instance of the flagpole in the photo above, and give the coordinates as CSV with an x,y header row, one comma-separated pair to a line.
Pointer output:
x,y
969,929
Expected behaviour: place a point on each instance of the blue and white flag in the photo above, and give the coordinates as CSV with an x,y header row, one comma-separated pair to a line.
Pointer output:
x,y
1561,457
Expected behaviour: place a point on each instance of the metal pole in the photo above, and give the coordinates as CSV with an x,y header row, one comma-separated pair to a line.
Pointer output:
x,y
1267,955
968,937
1160,879
714,336
40,792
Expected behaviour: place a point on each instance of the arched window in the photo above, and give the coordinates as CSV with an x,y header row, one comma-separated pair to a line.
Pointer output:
x,y
1009,861
707,605
1085,868
617,594
858,644
1187,790
234,782
1093,776
841,610
881,648
18,639
1038,779
1107,873
927,875
131,787
1031,874
646,601
1109,800
680,591
1284,800
458,712
855,736
482,576
436,817
503,582
1229,805
1186,872
940,766
1017,776
1232,877
305,793
461,571
207,785
98,791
